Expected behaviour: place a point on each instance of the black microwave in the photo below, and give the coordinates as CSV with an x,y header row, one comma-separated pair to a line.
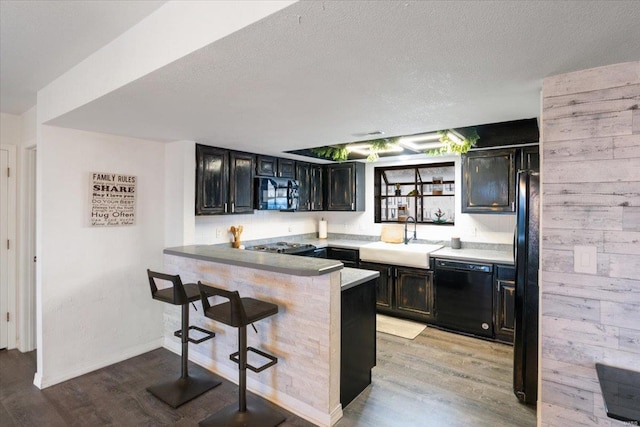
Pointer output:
x,y
277,194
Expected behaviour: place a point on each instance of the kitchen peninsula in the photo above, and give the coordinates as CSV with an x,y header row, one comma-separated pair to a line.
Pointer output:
x,y
305,334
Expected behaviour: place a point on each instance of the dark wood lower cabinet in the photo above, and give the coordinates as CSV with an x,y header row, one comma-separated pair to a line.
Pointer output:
x,y
505,294
383,283
403,291
409,293
357,341
414,292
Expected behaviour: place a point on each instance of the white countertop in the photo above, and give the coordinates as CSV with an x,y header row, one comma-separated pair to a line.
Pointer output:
x,y
466,254
478,255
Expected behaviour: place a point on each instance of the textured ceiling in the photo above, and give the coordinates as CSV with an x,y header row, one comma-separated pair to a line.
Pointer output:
x,y
40,40
318,73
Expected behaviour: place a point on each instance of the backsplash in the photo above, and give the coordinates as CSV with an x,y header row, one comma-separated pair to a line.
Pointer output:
x,y
472,229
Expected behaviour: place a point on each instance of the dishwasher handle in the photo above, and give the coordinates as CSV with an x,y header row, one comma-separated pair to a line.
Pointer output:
x,y
463,266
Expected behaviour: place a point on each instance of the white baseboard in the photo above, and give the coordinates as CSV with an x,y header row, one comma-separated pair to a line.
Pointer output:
x,y
44,381
291,404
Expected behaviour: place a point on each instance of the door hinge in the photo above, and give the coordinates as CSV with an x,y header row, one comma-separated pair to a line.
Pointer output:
x,y
8,245
8,172
7,317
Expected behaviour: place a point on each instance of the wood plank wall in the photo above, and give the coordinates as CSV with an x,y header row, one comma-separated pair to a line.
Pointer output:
x,y
591,196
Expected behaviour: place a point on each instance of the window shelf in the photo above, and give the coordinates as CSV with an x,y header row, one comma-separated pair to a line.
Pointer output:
x,y
416,193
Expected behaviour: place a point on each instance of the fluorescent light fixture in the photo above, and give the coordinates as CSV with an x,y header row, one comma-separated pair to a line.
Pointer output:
x,y
426,141
455,137
365,149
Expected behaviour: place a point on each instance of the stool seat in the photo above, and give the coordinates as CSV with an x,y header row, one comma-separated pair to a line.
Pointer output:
x,y
167,295
254,310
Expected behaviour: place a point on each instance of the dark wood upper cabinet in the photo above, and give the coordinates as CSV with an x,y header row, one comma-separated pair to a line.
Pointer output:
x,y
316,182
266,165
241,182
212,180
345,187
224,181
310,192
275,166
286,168
530,158
489,177
488,181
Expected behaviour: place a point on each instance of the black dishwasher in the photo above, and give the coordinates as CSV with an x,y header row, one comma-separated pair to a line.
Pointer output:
x,y
464,296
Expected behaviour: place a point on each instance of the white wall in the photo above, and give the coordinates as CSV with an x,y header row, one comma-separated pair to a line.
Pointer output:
x,y
95,307
26,298
10,128
471,228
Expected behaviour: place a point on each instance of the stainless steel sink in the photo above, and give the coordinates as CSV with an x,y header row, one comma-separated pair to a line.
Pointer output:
x,y
410,255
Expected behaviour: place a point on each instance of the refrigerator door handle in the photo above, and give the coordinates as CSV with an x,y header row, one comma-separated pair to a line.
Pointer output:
x,y
515,241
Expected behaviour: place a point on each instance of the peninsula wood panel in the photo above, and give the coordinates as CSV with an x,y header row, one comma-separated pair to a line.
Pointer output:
x,y
304,335
591,196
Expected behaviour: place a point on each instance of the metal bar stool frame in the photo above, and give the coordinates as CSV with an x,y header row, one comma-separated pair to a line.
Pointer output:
x,y
190,385
240,312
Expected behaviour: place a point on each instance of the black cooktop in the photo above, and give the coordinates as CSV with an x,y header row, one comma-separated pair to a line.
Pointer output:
x,y
283,247
621,392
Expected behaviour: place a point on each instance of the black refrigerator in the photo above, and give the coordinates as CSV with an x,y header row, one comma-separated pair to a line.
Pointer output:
x,y
526,246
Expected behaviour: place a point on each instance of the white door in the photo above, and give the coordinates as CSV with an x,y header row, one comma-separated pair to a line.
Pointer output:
x,y
4,251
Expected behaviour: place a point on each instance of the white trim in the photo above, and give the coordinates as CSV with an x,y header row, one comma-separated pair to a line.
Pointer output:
x,y
11,254
291,404
27,307
44,382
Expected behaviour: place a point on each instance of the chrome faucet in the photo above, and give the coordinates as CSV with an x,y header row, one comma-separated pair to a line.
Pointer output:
x,y
415,223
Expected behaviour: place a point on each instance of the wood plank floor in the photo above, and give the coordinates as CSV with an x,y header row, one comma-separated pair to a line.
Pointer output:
x,y
438,379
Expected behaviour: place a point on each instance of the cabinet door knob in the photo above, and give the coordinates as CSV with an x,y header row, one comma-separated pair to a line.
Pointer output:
x,y
225,208
233,208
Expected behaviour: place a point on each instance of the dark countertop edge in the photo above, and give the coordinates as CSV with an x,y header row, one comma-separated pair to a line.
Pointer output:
x,y
352,277
231,260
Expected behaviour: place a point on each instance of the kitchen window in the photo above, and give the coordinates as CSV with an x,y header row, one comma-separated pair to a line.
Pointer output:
x,y
425,192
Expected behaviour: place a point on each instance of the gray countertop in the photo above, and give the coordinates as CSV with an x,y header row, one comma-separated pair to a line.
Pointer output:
x,y
477,255
308,266
351,277
466,254
279,263
294,265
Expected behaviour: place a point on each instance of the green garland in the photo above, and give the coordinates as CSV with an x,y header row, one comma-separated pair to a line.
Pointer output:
x,y
451,146
337,153
340,152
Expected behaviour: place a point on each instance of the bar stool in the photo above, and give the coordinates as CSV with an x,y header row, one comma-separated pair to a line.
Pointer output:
x,y
189,386
240,312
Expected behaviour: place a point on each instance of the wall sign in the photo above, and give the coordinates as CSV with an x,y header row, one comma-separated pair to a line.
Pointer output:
x,y
113,199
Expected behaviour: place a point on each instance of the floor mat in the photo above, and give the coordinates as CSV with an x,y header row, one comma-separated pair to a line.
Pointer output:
x,y
399,327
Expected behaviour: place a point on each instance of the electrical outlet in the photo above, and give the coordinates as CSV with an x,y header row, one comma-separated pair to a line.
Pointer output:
x,y
218,233
585,259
